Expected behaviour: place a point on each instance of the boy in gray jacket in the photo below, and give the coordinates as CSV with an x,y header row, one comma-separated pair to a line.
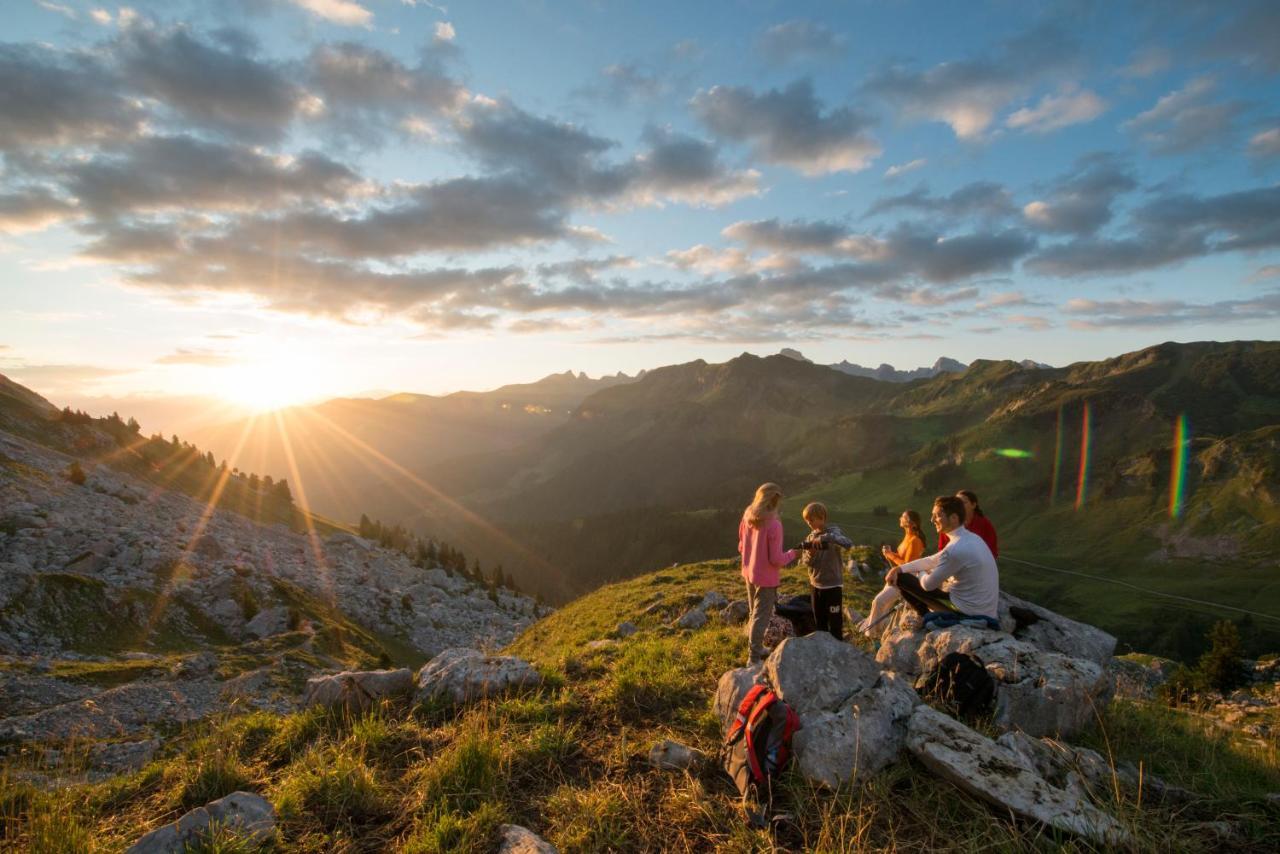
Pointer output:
x,y
826,567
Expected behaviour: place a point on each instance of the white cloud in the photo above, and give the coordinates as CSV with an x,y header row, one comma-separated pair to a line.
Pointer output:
x,y
445,31
102,16
57,8
1185,119
904,168
1058,111
346,12
1265,143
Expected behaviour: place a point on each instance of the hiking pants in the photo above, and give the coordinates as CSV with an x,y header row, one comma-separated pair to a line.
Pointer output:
x,y
761,601
923,601
828,610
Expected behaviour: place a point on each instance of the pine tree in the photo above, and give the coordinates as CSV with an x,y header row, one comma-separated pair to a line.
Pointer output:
x,y
1220,667
282,492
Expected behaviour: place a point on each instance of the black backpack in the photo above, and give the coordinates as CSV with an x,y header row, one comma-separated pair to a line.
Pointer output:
x,y
799,610
962,684
757,748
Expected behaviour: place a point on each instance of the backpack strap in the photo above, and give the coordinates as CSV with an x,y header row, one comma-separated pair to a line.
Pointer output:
x,y
761,710
744,712
788,729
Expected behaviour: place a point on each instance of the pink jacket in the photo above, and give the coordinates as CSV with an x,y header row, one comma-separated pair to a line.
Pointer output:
x,y
762,554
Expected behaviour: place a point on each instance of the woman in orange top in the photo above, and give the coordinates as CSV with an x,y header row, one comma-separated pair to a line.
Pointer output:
x,y
912,546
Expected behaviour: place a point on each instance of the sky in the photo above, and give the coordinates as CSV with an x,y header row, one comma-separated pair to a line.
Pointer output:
x,y
270,201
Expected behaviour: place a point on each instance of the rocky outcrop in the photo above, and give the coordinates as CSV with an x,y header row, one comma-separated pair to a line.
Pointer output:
x,y
1001,776
357,691
1038,691
125,710
1044,629
465,675
249,816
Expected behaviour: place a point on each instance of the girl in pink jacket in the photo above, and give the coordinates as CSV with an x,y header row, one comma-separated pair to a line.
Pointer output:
x,y
760,544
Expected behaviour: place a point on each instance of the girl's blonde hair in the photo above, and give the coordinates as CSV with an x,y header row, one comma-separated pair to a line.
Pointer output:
x,y
765,505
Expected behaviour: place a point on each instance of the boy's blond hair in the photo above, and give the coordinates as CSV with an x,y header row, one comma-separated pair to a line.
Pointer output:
x,y
814,510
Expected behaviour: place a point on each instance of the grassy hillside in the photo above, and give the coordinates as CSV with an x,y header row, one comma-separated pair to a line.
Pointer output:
x,y
567,761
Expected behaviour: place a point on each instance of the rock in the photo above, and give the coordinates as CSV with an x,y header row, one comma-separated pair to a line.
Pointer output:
x,y
1042,628
1137,681
250,816
714,600
625,630
123,756
818,672
1037,691
668,755
1003,777
209,547
356,691
735,613
268,622
859,739
514,839
599,644
200,664
694,618
342,539
730,690
462,675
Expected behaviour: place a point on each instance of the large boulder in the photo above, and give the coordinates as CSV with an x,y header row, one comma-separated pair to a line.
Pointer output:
x,y
462,675
694,618
249,816
852,715
1037,691
357,691
1042,628
1004,777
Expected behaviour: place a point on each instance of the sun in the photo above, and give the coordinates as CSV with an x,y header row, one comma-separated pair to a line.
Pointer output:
x,y
270,381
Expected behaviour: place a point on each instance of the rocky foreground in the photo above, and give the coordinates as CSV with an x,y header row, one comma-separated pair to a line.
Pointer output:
x,y
124,607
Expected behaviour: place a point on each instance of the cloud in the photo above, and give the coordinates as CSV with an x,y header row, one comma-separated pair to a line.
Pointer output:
x,y
345,12
56,377
788,126
58,8
1251,35
980,198
625,83
1080,202
32,209
1095,314
444,32
799,39
1169,229
968,94
1185,119
1055,112
167,172
1271,271
219,85
794,236
199,357
1265,143
1148,62
364,92
584,271
904,168
52,98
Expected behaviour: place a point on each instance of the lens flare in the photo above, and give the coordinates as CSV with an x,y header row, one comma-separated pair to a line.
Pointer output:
x,y
1057,460
1014,453
1178,477
1082,482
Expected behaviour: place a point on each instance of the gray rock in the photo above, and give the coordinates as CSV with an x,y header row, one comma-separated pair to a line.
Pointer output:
x,y
730,690
668,755
514,839
463,675
819,673
735,613
859,739
713,600
250,816
268,622
694,618
357,691
1047,630
977,765
625,630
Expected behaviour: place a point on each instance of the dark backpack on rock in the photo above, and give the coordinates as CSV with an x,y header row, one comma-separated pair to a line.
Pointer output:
x,y
799,610
758,747
962,684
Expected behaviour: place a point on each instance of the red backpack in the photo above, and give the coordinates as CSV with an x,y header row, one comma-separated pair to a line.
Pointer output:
x,y
758,745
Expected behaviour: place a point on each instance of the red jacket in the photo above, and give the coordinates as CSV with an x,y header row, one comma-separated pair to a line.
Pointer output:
x,y
981,526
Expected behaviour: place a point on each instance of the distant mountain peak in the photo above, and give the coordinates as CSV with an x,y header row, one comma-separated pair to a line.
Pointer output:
x,y
794,354
888,373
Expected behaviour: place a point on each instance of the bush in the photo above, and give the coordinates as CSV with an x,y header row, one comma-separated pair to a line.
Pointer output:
x,y
75,474
1220,668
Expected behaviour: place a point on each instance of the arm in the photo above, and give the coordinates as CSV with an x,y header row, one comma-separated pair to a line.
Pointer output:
x,y
773,539
946,564
833,534
742,536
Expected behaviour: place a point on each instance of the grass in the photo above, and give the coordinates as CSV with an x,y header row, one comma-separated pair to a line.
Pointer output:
x,y
568,761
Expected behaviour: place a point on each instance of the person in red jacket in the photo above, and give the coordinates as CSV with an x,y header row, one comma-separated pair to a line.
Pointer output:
x,y
976,521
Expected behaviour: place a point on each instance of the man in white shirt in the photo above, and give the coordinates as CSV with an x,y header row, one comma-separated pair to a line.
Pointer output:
x,y
966,560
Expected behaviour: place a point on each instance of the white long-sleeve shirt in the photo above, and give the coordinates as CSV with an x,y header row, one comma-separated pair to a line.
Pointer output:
x,y
966,559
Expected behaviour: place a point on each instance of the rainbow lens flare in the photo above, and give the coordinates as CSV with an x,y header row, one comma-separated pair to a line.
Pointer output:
x,y
1057,460
1014,453
1082,482
1178,475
